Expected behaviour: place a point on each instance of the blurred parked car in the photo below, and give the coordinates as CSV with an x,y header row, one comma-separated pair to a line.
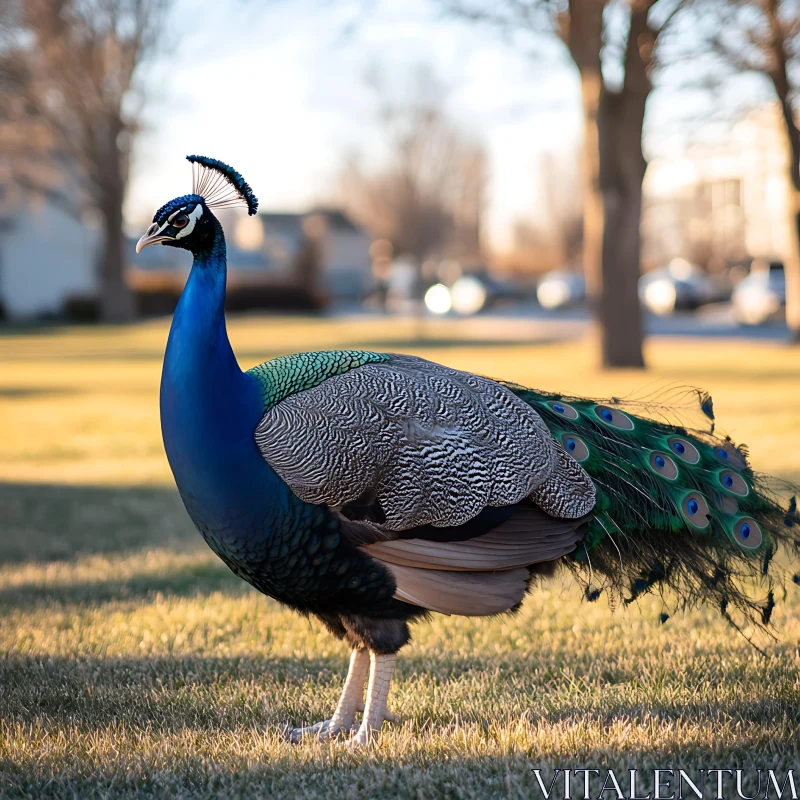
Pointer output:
x,y
561,289
680,286
469,294
761,296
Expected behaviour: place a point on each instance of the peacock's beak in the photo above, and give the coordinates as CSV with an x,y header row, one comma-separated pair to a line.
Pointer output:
x,y
152,235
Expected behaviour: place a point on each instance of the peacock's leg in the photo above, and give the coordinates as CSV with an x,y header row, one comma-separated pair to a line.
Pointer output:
x,y
352,700
375,711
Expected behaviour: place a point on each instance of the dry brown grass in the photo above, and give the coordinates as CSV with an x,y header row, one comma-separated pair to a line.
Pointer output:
x,y
134,664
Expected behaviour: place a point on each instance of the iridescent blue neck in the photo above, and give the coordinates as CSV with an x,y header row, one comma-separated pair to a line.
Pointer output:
x,y
209,412
198,339
207,402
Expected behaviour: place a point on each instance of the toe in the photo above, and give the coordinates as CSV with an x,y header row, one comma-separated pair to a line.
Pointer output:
x,y
359,739
320,731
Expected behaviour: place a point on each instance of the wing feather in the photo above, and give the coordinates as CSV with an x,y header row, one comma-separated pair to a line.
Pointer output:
x,y
466,593
433,445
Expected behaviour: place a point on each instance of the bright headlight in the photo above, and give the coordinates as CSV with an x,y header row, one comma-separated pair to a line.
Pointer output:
x,y
468,295
437,299
553,293
660,297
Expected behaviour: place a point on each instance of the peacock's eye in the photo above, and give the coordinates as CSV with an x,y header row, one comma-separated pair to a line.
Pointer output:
x,y
614,418
180,221
664,466
695,510
565,409
748,533
686,451
735,483
575,447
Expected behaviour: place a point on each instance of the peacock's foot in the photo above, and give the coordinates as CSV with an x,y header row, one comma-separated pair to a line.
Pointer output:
x,y
363,734
375,711
325,729
351,701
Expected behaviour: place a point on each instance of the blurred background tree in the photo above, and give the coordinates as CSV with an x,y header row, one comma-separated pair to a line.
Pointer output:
x,y
428,190
71,107
614,47
761,36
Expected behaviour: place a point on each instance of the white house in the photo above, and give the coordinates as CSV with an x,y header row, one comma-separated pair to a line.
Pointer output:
x,y
47,257
722,199
318,251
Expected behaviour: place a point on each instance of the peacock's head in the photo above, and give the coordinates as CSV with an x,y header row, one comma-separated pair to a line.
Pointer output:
x,y
183,222
187,221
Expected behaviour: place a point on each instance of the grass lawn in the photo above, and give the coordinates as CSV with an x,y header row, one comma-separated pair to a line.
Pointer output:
x,y
132,663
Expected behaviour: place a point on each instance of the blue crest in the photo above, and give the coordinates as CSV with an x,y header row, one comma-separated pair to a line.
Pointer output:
x,y
219,185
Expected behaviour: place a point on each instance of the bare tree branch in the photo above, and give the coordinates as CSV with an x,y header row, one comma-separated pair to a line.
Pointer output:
x,y
427,196
68,113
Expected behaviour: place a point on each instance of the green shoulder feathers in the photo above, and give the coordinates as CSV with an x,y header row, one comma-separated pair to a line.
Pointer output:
x,y
287,375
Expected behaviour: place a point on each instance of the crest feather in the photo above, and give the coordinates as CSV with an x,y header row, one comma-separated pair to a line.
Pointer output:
x,y
219,185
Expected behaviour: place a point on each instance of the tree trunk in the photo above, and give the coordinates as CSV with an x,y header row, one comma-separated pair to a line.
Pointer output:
x,y
792,258
621,174
117,303
622,168
779,74
792,262
613,167
593,212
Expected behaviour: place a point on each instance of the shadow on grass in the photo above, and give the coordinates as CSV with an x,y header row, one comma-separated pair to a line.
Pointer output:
x,y
188,581
173,693
49,521
259,355
65,354
383,775
212,727
29,392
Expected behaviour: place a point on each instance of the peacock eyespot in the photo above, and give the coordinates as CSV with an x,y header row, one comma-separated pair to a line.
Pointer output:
x,y
747,533
686,451
575,447
664,466
728,454
695,510
565,409
614,418
734,483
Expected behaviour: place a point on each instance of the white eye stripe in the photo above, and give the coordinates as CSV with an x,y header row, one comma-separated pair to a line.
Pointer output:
x,y
175,213
193,217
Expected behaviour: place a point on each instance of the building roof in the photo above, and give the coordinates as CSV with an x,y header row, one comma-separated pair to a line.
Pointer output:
x,y
283,239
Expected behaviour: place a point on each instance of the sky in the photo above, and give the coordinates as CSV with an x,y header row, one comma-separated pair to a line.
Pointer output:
x,y
279,91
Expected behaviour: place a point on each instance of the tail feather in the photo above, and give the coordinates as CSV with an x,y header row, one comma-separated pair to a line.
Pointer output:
x,y
677,506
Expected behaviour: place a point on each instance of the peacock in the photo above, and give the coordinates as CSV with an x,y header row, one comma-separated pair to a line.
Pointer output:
x,y
372,489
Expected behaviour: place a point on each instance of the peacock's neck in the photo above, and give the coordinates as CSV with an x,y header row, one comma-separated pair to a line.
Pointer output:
x,y
209,407
198,339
